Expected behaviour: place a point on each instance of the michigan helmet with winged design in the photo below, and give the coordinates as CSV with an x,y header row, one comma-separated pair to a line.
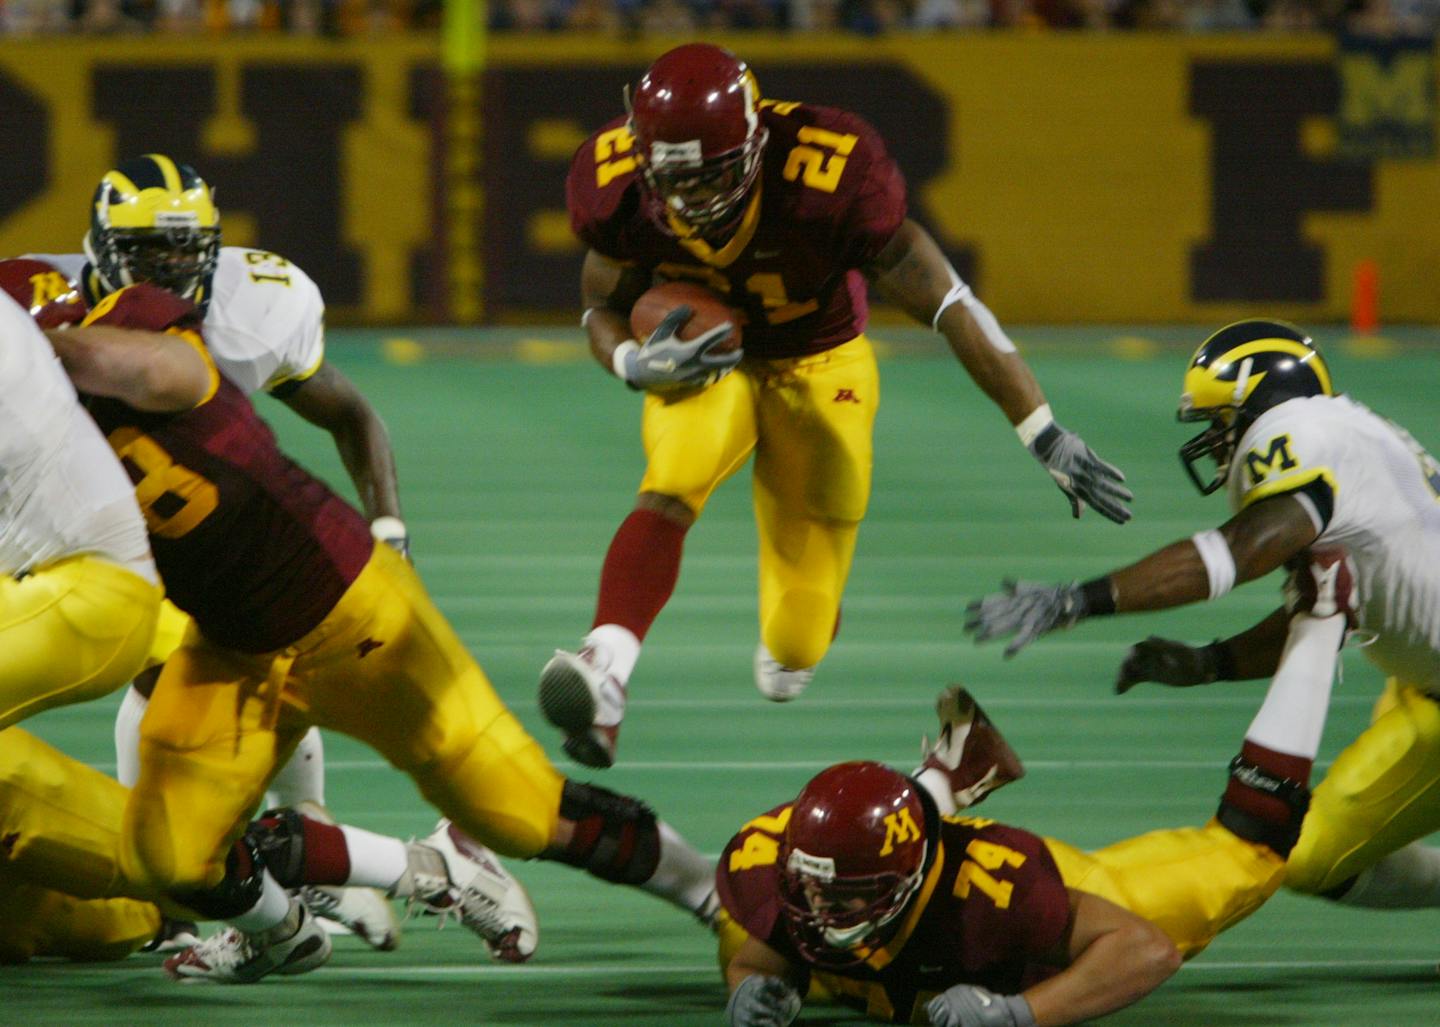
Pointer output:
x,y
696,122
46,294
855,852
153,220
1236,375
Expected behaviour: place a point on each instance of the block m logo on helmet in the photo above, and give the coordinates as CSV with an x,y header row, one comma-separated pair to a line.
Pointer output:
x,y
1277,457
900,829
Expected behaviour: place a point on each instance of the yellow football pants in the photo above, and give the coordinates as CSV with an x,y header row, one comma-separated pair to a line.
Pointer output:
x,y
60,827
74,630
1191,882
1381,793
809,421
170,629
384,667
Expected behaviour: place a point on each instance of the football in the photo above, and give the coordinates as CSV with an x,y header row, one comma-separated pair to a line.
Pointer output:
x,y
710,310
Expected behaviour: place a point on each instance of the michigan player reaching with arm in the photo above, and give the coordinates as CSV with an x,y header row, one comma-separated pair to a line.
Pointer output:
x,y
866,889
1303,467
154,220
785,209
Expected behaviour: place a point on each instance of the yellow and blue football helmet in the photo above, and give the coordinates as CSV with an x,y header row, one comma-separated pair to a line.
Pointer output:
x,y
153,220
1236,375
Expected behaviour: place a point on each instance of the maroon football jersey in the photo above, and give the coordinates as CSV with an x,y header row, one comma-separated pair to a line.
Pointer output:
x,y
248,543
827,200
992,911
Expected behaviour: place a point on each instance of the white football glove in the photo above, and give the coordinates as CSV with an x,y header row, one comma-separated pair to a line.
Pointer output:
x,y
762,1001
1081,475
969,1005
666,362
1026,610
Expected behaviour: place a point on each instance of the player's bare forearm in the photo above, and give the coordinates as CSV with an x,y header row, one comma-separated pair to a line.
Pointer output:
x,y
914,274
1258,539
1255,652
755,957
157,372
608,290
1116,958
329,400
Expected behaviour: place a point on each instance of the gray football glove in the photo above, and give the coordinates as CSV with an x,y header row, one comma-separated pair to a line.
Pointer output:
x,y
968,1005
1167,662
1081,475
665,362
1025,609
762,1001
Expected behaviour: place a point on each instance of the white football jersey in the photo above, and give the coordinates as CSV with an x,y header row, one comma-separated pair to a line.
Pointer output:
x,y
1370,487
265,325
62,492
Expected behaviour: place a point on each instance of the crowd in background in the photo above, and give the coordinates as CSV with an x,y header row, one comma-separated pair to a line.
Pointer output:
x,y
682,17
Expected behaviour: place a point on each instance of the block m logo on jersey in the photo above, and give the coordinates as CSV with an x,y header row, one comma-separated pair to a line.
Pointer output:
x,y
900,828
1277,457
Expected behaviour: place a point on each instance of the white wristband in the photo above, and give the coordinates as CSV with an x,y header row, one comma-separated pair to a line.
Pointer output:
x,y
1035,422
617,359
388,529
1219,561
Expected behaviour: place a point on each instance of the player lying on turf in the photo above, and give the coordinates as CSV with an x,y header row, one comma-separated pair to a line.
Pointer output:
x,y
862,886
301,618
63,891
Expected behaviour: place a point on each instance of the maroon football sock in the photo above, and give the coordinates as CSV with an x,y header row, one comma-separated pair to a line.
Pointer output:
x,y
640,571
1258,801
327,856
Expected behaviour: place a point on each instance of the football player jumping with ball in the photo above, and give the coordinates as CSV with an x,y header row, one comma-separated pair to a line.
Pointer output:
x,y
786,210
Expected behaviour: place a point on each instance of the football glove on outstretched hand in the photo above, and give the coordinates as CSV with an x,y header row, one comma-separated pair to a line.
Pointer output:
x,y
762,1001
665,361
1167,662
1026,610
969,1005
1081,475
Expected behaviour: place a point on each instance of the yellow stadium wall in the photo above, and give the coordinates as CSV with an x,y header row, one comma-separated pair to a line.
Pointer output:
x,y
1072,177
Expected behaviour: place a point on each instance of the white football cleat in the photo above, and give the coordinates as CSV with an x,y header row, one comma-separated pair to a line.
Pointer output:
x,y
364,912
488,900
580,697
234,957
777,682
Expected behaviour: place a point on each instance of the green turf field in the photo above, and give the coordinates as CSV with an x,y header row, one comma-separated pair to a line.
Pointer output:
x,y
517,461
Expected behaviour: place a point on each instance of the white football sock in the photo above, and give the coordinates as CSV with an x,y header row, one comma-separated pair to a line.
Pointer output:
x,y
127,736
620,644
683,876
937,784
376,861
1408,878
302,779
270,911
1292,717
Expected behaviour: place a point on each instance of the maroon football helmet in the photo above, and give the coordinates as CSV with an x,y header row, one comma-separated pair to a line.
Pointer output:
x,y
49,297
854,855
697,127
